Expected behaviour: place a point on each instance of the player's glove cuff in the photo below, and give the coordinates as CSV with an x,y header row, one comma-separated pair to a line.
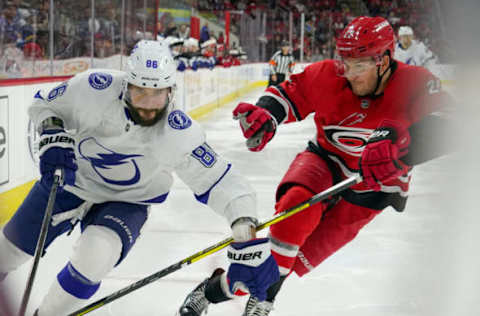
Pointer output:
x,y
55,138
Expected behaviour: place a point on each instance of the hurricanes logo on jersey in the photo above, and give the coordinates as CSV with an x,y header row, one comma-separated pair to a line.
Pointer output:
x,y
113,168
348,139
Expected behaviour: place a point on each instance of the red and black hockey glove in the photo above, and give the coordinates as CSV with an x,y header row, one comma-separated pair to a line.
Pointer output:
x,y
380,160
257,125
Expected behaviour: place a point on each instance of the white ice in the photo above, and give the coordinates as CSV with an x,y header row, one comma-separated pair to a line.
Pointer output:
x,y
422,262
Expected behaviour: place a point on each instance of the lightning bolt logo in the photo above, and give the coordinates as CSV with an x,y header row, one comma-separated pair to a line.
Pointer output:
x,y
112,167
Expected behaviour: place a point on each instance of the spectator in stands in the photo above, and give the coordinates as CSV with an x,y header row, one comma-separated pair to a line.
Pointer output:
x,y
184,31
65,46
32,49
204,33
175,44
220,39
111,27
103,46
191,55
43,15
220,54
207,59
12,25
171,30
232,58
393,18
281,65
165,20
11,60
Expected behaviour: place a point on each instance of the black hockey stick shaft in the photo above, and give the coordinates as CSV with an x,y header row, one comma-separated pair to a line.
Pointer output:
x,y
57,178
339,187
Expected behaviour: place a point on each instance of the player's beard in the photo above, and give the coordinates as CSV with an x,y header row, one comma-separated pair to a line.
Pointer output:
x,y
137,119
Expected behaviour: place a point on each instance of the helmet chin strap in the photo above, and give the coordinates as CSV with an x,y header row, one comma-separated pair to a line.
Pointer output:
x,y
380,78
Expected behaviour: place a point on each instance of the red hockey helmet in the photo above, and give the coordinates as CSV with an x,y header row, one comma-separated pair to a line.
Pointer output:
x,y
366,36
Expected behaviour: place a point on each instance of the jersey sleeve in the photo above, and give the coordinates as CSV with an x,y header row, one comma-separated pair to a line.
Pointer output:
x,y
273,63
291,64
55,102
289,101
431,137
432,127
427,58
216,183
213,180
427,95
75,100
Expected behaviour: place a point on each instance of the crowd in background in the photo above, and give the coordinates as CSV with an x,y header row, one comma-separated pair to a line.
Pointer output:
x,y
208,51
324,19
24,26
190,53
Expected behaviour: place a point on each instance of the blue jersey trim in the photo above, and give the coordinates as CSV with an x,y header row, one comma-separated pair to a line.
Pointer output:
x,y
253,242
127,114
75,283
203,198
158,199
38,95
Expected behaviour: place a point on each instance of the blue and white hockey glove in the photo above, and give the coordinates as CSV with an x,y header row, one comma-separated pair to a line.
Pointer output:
x,y
56,150
252,266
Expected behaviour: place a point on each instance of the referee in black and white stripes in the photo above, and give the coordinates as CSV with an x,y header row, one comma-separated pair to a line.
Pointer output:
x,y
281,64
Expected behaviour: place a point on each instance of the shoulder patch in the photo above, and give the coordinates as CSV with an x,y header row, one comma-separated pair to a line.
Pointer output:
x,y
179,120
100,80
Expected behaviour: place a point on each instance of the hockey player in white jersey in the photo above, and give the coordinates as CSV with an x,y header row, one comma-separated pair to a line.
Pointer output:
x,y
411,51
118,137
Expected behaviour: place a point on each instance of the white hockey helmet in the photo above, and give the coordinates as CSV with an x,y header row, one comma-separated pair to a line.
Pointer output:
x,y
151,65
173,41
175,44
405,30
211,42
191,42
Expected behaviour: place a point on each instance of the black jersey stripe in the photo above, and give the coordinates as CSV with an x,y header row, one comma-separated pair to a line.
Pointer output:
x,y
294,108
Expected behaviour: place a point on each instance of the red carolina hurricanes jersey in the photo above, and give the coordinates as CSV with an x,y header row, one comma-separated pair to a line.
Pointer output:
x,y
344,121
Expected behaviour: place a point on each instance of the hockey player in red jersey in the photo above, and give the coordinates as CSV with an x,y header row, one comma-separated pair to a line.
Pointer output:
x,y
374,116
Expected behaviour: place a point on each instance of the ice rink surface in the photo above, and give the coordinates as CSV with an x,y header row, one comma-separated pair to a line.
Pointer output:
x,y
422,262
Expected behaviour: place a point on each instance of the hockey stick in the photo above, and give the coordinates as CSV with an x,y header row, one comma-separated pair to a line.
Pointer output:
x,y
57,178
339,187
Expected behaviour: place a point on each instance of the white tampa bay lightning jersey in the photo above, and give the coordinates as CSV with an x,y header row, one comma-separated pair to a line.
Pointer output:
x,y
119,160
417,54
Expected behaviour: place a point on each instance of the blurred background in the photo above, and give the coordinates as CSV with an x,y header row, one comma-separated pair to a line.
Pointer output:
x,y
35,33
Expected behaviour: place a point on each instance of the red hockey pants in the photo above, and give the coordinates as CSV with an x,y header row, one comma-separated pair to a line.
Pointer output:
x,y
304,240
